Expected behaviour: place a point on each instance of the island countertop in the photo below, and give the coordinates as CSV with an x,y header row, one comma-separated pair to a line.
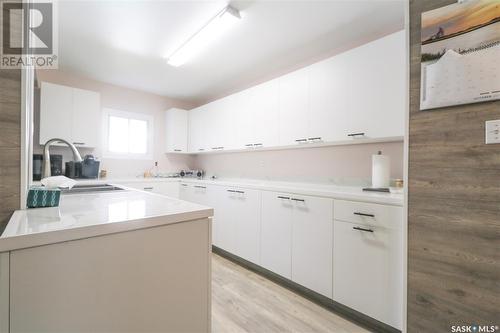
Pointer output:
x,y
94,214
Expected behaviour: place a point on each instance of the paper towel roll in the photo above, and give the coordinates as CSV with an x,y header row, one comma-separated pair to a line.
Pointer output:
x,y
381,170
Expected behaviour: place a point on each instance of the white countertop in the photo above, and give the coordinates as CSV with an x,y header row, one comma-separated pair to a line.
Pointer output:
x,y
354,193
94,214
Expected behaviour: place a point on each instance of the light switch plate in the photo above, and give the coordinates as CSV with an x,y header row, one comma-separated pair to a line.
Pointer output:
x,y
492,131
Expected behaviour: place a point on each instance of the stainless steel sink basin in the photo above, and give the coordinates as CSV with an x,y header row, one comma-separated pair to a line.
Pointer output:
x,y
91,188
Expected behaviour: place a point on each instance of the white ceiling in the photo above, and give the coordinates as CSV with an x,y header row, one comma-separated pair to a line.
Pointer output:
x,y
125,42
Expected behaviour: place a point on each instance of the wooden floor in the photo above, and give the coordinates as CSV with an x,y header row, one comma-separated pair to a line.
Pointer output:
x,y
243,301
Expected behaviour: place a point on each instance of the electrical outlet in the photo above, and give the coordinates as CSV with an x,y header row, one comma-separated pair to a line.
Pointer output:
x,y
492,131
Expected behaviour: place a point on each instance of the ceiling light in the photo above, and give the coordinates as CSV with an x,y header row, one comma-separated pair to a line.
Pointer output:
x,y
210,31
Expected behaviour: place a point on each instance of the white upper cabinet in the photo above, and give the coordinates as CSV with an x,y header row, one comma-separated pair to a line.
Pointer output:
x,y
378,87
294,107
358,94
86,115
71,114
56,112
257,116
329,103
176,131
198,130
265,108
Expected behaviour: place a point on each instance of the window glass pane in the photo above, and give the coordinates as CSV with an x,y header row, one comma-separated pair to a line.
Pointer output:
x,y
118,134
138,136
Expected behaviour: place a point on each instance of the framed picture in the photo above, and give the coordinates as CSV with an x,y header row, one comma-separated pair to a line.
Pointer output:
x,y
460,54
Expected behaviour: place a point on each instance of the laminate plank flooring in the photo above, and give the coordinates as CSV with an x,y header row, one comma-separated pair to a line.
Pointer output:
x,y
243,301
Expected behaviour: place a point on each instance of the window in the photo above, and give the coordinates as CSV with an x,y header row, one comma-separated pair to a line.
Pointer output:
x,y
128,135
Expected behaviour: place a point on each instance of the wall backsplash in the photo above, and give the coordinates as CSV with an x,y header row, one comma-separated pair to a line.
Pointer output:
x,y
126,100
342,165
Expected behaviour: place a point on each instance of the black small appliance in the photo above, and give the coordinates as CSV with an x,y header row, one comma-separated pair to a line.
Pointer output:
x,y
55,165
88,169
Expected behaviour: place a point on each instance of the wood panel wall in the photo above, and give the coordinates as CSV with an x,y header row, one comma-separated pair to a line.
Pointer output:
x,y
454,208
10,142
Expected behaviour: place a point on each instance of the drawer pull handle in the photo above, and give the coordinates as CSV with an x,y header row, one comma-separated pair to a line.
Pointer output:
x,y
241,192
232,191
198,186
78,143
177,149
258,144
201,149
184,185
295,199
281,197
364,214
362,229
315,139
249,145
301,140
148,188
356,134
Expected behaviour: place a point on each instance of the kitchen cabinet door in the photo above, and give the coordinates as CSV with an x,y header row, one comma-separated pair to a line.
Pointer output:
x,y
87,118
221,123
294,107
56,112
225,219
367,274
264,106
244,119
176,131
378,87
312,243
199,128
245,209
276,233
329,100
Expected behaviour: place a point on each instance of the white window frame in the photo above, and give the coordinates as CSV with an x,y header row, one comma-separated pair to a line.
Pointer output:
x,y
107,112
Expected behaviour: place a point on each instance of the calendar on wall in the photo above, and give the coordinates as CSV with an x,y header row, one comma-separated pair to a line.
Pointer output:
x,y
460,52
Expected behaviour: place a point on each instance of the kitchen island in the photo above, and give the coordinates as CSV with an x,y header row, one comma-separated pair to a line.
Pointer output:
x,y
120,261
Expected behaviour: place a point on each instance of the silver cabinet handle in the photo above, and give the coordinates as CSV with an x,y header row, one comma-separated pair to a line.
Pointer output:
x,y
148,188
300,200
198,186
78,143
232,191
282,197
314,139
356,134
249,145
241,192
184,185
257,144
177,149
201,149
301,140
217,148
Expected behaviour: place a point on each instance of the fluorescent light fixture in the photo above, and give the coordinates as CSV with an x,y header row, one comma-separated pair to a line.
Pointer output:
x,y
209,32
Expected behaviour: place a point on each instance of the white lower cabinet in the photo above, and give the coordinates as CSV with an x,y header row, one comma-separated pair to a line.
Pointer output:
x,y
368,270
312,238
348,251
276,234
297,239
238,222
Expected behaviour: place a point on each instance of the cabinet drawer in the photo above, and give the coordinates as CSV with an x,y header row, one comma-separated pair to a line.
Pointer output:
x,y
369,214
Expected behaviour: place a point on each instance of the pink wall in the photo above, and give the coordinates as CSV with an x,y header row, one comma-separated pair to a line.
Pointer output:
x,y
124,99
342,165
